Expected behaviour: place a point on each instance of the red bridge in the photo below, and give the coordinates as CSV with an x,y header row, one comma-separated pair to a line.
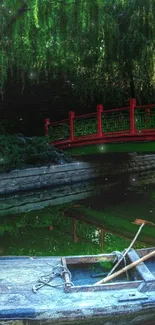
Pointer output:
x,y
127,129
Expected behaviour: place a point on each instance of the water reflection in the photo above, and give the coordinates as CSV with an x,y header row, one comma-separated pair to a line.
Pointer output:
x,y
102,219
38,199
44,242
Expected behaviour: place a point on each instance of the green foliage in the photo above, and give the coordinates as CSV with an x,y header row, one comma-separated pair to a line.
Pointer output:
x,y
59,132
85,127
20,152
102,47
52,216
107,265
29,234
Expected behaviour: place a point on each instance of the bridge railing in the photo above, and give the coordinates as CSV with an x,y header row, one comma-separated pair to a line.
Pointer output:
x,y
57,131
85,125
144,117
106,124
116,121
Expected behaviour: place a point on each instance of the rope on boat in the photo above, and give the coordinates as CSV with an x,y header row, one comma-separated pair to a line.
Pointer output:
x,y
126,250
119,256
47,279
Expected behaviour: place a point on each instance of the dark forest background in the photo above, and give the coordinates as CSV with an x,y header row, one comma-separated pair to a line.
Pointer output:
x,y
62,55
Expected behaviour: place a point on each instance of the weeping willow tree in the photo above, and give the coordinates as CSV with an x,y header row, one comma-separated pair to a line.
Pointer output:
x,y
101,46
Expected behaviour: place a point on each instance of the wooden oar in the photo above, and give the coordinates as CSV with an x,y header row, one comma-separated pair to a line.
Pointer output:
x,y
140,222
126,268
127,250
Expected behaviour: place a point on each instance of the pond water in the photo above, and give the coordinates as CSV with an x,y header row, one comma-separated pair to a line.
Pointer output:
x,y
104,220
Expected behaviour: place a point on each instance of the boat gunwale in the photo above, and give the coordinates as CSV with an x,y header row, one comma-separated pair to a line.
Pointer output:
x,y
137,284
141,252
105,287
86,259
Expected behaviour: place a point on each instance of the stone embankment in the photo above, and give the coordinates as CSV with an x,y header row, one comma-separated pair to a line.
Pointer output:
x,y
52,176
22,202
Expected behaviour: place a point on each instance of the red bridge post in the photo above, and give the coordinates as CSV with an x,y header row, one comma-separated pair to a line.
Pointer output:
x,y
46,125
132,111
71,125
99,119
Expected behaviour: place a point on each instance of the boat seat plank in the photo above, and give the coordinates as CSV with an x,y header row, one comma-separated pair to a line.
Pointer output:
x,y
90,259
142,269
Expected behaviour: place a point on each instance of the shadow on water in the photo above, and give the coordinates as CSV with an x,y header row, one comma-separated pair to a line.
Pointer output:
x,y
86,218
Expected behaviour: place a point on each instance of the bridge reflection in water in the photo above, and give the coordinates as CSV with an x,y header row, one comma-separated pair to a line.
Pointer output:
x,y
102,221
125,129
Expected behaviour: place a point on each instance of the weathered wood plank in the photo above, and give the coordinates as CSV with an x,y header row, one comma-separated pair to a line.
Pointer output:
x,y
17,300
67,275
90,259
142,269
105,287
143,251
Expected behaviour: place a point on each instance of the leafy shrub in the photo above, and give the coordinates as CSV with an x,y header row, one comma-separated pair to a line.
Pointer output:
x,y
17,151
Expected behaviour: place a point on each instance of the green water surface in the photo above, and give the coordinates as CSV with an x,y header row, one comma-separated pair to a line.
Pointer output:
x,y
50,231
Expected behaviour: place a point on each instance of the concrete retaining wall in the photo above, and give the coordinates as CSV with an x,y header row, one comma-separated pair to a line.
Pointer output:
x,y
47,176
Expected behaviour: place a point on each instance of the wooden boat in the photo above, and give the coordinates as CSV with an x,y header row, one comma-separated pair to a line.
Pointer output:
x,y
55,290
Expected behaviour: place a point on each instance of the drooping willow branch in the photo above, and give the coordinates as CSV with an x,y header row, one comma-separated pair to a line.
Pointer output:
x,y
95,43
24,8
20,12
